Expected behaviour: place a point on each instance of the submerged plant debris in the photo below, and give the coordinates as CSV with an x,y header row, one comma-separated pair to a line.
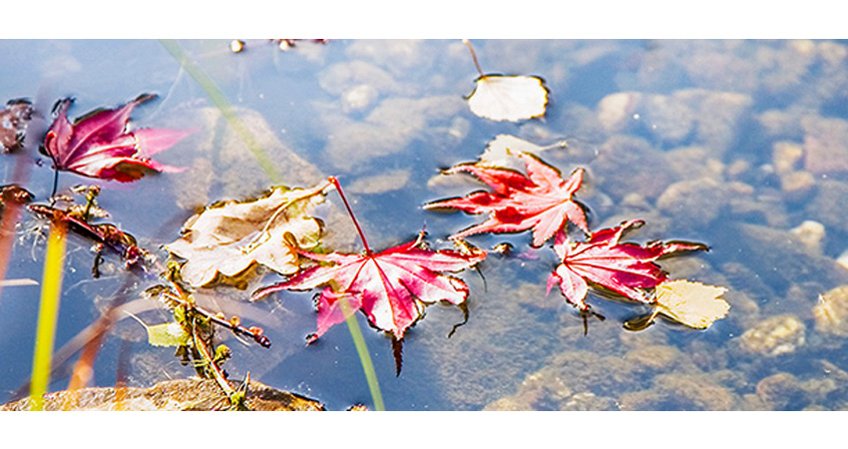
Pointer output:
x,y
13,124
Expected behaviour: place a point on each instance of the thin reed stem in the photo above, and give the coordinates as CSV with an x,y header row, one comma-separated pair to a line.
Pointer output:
x,y
48,314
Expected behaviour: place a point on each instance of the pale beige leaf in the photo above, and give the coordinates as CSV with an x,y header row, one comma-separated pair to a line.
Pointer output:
x,y
502,150
692,304
510,98
226,240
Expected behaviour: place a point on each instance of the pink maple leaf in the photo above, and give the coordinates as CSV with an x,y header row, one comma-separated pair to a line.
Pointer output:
x,y
624,268
540,200
100,145
390,287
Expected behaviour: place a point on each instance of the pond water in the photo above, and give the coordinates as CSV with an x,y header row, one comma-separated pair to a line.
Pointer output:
x,y
742,145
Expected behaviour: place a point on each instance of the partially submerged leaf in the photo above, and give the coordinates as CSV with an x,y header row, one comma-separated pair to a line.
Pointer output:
x,y
14,194
390,287
540,200
227,239
101,145
627,269
167,334
692,304
13,123
509,97
502,151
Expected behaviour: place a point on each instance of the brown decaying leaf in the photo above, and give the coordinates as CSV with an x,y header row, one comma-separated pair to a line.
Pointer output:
x,y
225,241
13,122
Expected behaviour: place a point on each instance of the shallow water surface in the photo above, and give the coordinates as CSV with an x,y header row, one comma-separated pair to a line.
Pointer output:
x,y
742,145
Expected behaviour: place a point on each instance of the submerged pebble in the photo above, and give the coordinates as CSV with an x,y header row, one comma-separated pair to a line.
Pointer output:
x,y
831,312
774,336
811,234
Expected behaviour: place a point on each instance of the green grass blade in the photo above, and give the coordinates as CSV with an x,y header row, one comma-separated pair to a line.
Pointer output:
x,y
220,101
48,314
364,356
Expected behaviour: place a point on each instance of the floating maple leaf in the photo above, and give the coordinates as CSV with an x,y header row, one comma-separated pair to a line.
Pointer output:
x,y
13,122
624,268
507,97
100,145
390,286
540,200
227,239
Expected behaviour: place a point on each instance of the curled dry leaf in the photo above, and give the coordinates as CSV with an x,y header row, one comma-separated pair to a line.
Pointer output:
x,y
100,144
624,268
540,200
692,304
227,239
13,122
509,97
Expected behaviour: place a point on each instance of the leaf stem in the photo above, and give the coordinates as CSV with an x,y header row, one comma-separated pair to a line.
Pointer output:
x,y
473,56
336,183
51,290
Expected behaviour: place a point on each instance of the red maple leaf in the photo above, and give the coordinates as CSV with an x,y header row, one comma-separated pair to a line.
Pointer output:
x,y
624,268
390,287
540,200
100,145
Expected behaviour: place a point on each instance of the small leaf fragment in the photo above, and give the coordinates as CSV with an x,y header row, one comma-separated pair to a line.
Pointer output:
x,y
692,304
167,334
509,97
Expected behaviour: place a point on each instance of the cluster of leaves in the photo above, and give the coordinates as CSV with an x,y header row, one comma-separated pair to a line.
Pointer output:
x,y
231,242
540,200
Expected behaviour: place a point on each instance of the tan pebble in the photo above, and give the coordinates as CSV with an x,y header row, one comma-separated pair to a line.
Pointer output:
x,y
781,334
831,312
797,185
811,233
786,156
616,110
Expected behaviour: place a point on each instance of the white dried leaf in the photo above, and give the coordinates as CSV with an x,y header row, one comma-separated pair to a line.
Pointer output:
x,y
509,97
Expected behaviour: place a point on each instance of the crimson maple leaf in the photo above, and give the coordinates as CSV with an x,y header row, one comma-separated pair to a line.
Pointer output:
x,y
391,287
540,200
624,268
100,145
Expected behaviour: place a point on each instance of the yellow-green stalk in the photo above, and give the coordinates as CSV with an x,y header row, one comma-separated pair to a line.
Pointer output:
x,y
48,314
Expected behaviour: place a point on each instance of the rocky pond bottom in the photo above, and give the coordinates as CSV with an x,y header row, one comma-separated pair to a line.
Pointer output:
x,y
739,145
